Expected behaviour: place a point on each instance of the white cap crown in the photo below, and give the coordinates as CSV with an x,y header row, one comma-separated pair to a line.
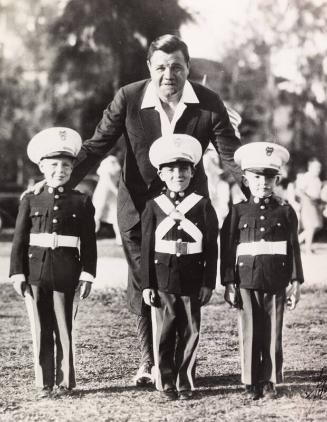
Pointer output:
x,y
53,142
177,147
261,155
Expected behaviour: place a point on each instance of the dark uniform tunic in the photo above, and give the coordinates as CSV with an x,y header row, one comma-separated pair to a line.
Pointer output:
x,y
262,276
178,277
53,274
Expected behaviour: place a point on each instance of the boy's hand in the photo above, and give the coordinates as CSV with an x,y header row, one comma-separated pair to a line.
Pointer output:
x,y
36,189
230,294
20,287
205,295
85,287
293,294
149,296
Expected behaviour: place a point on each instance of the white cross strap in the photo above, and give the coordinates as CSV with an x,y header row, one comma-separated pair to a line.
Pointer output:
x,y
176,215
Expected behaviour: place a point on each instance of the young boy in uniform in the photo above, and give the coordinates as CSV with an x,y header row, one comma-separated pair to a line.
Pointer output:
x,y
178,263
260,258
46,265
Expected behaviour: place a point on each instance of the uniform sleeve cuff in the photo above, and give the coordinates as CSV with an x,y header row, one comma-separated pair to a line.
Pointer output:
x,y
17,278
86,277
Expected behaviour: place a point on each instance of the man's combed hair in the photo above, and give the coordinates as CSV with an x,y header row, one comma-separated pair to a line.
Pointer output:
x,y
169,44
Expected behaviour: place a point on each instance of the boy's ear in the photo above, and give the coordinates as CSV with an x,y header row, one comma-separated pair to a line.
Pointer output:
x,y
41,167
160,174
245,181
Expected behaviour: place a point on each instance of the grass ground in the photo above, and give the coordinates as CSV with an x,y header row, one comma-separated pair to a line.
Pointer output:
x,y
107,358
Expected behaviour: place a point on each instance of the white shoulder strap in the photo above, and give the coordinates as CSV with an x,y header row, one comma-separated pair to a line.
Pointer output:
x,y
165,204
189,203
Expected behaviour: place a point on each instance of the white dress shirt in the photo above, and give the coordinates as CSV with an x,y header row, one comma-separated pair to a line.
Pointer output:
x,y
151,100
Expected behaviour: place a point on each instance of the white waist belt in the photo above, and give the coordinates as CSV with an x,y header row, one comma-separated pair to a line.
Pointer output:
x,y
53,240
178,248
262,248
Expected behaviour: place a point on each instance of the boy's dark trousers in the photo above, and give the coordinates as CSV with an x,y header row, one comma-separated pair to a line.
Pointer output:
x,y
260,335
51,314
176,328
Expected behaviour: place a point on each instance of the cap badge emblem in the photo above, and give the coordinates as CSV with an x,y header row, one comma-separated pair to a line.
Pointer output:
x,y
63,135
269,151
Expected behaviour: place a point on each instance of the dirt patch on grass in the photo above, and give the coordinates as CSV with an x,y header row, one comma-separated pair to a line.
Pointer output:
x,y
107,358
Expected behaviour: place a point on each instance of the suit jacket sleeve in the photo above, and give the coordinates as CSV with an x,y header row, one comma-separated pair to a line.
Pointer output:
x,y
147,247
225,140
229,238
294,247
88,248
107,133
19,251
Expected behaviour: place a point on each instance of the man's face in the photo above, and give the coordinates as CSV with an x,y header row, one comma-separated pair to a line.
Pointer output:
x,y
168,72
177,176
56,171
260,185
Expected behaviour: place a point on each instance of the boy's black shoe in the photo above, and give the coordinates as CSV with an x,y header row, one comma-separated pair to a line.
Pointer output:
x,y
253,391
169,395
257,392
185,395
43,393
248,391
62,391
269,390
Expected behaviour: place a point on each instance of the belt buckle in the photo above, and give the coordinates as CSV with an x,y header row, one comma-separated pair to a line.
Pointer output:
x,y
181,248
54,241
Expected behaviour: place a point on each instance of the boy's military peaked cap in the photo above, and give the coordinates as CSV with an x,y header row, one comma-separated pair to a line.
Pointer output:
x,y
261,157
54,142
174,148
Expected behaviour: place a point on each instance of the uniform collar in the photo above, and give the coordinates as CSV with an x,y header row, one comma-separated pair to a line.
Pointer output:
x,y
260,201
59,190
151,98
178,195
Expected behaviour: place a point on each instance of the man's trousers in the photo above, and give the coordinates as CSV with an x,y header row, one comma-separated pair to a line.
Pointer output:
x,y
51,314
176,330
260,336
132,247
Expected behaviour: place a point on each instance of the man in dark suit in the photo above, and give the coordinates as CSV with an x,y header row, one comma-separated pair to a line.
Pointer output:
x,y
142,112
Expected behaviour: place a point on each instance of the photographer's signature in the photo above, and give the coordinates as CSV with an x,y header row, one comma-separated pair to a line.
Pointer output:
x,y
320,389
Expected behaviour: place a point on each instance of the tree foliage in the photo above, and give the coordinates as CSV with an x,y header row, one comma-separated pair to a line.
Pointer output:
x,y
277,63
100,46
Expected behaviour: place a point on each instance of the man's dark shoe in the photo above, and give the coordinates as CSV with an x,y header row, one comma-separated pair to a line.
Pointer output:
x,y
169,395
269,390
144,375
43,393
185,395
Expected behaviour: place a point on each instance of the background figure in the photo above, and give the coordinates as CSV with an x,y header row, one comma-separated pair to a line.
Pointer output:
x,y
308,188
219,190
105,195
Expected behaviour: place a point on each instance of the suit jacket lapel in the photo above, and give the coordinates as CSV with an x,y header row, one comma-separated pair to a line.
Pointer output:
x,y
189,119
150,120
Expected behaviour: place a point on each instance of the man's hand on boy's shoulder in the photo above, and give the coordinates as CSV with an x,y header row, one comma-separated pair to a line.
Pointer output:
x,y
36,189
85,288
205,295
150,296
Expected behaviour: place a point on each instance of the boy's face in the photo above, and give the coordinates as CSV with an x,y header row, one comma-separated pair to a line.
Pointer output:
x,y
56,171
260,185
177,176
